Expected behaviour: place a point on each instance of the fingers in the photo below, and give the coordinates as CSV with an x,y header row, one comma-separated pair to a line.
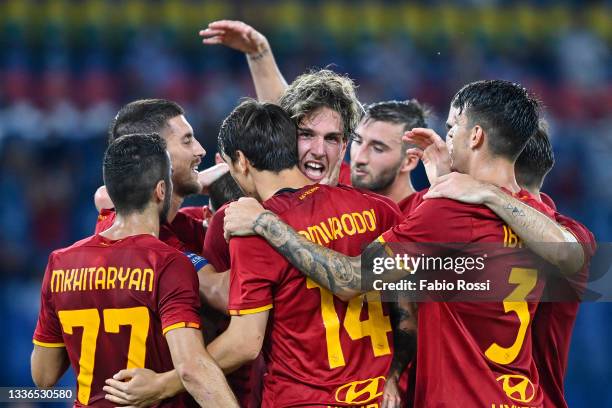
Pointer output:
x,y
423,137
416,152
116,395
120,386
125,374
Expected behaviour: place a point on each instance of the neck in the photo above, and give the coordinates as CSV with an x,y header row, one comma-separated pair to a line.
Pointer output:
x,y
135,223
399,189
534,192
495,170
267,182
175,205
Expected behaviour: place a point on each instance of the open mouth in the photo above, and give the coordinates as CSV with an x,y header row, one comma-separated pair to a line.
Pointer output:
x,y
314,170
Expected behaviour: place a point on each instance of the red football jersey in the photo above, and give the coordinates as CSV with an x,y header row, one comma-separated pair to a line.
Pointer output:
x,y
216,248
345,174
319,350
408,204
475,354
186,232
554,321
110,302
245,381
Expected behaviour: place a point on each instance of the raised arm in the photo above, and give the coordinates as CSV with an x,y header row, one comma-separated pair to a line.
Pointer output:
x,y
541,234
267,78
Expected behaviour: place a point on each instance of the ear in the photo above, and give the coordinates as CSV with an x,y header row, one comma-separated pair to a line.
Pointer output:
x,y
160,190
242,164
477,137
411,160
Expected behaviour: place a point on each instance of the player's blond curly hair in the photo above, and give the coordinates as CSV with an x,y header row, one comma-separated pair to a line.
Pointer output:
x,y
323,88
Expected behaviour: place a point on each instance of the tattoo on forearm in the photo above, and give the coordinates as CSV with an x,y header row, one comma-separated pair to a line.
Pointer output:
x,y
514,210
259,55
334,271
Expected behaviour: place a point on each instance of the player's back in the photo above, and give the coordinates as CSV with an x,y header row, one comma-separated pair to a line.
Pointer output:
x,y
318,349
476,353
109,302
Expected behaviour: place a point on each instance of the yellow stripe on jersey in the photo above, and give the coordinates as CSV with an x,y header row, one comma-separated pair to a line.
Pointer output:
x,y
180,325
50,345
250,311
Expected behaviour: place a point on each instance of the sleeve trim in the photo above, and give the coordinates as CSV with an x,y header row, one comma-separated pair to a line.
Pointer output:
x,y
179,325
236,312
49,345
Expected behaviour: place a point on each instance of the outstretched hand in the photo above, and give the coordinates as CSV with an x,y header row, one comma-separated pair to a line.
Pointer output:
x,y
236,35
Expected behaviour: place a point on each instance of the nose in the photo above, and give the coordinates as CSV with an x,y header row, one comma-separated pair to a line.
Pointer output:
x,y
317,147
198,150
359,153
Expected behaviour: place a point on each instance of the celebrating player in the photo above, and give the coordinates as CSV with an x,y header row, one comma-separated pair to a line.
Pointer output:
x,y
167,119
124,277
489,124
553,321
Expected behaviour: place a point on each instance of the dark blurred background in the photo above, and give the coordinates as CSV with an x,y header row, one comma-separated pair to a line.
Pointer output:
x,y
67,66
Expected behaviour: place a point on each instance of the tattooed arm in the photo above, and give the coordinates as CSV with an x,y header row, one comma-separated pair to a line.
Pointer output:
x,y
339,273
403,319
540,233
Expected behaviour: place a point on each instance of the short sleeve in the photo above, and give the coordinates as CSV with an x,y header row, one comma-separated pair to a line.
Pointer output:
x,y
178,300
216,249
256,269
48,332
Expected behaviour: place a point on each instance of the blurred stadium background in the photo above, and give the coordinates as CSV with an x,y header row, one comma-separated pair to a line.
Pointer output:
x,y
67,66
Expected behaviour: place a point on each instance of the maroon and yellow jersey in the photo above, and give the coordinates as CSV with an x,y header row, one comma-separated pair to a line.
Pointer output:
x,y
476,354
186,232
110,304
345,174
554,321
408,204
319,350
216,248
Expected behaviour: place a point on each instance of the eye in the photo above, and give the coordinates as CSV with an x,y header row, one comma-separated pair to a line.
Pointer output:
x,y
332,139
356,139
304,135
378,149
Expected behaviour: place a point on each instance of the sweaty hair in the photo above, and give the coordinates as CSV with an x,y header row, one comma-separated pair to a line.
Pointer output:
x,y
223,190
133,165
536,160
506,111
263,132
320,89
143,116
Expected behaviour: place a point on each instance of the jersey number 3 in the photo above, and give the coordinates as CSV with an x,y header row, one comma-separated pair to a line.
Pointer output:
x,y
376,327
89,320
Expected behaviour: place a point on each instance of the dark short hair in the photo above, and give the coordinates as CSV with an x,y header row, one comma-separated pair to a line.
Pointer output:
x,y
506,111
323,89
133,165
263,132
410,114
536,160
143,116
223,190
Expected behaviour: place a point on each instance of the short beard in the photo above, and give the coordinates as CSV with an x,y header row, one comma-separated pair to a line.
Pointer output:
x,y
186,189
163,215
380,183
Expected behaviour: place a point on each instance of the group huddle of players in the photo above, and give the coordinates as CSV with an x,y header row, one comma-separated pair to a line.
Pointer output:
x,y
282,300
